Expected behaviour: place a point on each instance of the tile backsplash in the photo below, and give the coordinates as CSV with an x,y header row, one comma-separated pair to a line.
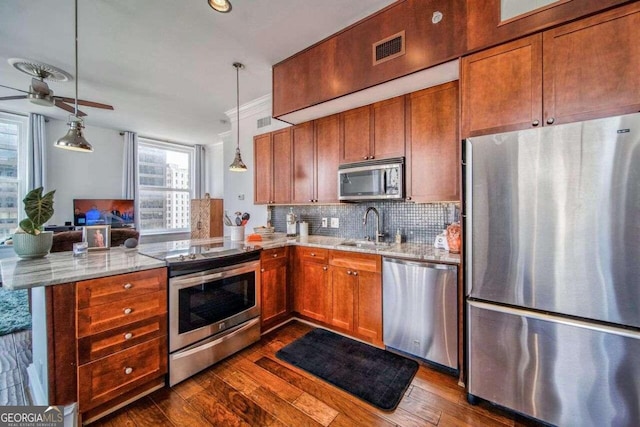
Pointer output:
x,y
417,222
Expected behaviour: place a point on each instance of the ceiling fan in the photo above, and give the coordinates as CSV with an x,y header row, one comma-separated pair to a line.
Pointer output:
x,y
39,91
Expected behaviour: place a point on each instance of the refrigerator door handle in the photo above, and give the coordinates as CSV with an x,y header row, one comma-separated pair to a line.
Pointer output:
x,y
556,319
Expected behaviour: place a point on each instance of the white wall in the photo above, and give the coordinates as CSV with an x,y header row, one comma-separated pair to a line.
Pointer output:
x,y
77,175
239,185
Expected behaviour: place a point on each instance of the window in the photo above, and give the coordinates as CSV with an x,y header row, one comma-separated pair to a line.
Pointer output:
x,y
159,166
13,147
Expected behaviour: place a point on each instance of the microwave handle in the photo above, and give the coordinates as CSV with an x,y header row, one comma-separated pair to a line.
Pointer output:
x,y
383,176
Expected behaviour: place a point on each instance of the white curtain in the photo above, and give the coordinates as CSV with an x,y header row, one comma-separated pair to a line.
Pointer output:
x,y
130,171
199,172
129,168
36,171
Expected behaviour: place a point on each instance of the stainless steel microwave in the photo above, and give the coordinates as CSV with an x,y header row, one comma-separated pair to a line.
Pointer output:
x,y
372,180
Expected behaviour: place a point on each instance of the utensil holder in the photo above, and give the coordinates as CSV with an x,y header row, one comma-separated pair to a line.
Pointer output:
x,y
237,233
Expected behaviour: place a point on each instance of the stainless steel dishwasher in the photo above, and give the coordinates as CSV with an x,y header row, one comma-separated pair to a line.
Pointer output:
x,y
420,309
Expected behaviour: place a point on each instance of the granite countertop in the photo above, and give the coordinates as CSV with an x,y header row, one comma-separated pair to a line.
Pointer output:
x,y
63,267
415,251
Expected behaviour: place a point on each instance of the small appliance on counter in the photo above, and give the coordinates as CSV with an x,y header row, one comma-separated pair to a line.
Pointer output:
x,y
291,224
441,241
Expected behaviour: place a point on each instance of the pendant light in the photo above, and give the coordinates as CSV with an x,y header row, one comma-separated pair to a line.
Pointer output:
x,y
74,140
222,6
238,165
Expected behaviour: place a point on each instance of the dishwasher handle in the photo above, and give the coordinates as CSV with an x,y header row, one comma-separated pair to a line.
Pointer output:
x,y
420,264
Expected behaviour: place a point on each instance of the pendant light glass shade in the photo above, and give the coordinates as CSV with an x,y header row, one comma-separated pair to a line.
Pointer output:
x,y
74,140
238,165
222,6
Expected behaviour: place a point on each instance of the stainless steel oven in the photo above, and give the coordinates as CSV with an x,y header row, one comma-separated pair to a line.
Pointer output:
x,y
214,304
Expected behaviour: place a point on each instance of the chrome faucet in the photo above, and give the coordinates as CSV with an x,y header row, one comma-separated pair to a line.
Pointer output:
x,y
364,222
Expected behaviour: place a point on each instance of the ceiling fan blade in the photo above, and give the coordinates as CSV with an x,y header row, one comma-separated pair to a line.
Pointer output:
x,y
8,98
87,103
13,88
68,108
40,86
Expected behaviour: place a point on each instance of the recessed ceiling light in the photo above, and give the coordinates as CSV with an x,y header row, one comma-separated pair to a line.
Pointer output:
x,y
223,6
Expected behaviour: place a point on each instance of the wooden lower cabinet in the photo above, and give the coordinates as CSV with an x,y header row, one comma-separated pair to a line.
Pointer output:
x,y
107,340
312,282
341,290
273,287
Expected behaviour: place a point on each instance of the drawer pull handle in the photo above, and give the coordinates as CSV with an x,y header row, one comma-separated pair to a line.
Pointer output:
x,y
325,268
127,311
128,371
275,255
128,336
355,273
127,286
349,272
313,254
262,270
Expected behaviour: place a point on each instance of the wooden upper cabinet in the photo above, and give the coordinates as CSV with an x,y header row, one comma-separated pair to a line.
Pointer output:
x,y
327,137
502,88
272,164
433,146
388,128
303,163
485,27
375,131
343,63
263,169
356,139
592,67
579,71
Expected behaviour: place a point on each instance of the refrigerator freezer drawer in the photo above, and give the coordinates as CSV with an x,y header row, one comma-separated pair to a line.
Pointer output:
x,y
559,370
420,309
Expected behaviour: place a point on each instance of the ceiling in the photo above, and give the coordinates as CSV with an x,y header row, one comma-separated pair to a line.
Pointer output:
x,y
165,65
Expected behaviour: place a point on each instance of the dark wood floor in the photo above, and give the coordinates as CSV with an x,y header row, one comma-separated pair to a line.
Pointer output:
x,y
254,388
15,356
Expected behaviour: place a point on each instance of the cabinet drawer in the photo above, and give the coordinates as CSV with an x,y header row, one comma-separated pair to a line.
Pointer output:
x,y
313,254
356,261
119,313
275,253
109,377
108,289
105,343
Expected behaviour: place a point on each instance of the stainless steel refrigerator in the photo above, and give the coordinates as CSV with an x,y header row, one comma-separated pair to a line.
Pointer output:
x,y
552,232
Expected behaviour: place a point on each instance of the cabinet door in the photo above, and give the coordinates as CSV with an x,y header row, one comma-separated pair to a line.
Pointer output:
x,y
281,176
263,166
388,128
433,149
502,88
368,316
327,158
342,289
303,163
592,67
356,135
273,282
315,294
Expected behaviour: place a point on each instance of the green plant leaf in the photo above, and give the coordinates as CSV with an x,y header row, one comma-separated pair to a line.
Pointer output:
x,y
39,209
27,226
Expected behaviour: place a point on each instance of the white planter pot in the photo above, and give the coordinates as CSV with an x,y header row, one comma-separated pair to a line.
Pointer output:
x,y
29,246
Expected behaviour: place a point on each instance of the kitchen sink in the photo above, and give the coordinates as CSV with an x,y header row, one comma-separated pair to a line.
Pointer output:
x,y
365,244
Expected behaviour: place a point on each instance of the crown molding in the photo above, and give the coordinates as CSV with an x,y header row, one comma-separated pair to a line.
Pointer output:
x,y
257,106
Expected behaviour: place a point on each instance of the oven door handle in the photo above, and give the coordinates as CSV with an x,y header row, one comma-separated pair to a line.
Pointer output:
x,y
185,283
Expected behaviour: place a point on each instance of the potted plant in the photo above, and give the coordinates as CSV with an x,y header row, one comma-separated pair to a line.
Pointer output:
x,y
29,240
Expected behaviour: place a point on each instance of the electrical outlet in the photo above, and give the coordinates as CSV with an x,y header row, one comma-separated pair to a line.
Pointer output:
x,y
324,222
240,196
335,222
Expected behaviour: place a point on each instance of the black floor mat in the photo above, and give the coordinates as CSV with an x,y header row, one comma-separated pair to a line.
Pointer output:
x,y
369,373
